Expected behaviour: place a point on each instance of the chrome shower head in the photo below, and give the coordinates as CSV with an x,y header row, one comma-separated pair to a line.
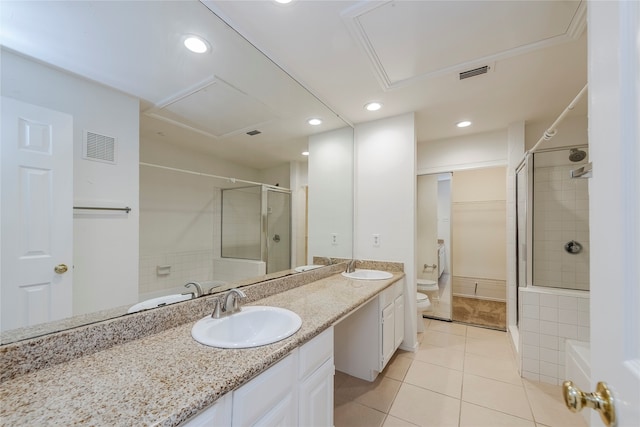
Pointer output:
x,y
577,155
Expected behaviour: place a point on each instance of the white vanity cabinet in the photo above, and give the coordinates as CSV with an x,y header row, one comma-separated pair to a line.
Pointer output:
x,y
391,304
296,391
366,340
315,389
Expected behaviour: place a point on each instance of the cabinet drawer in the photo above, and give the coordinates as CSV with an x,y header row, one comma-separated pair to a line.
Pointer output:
x,y
387,297
314,353
398,288
271,389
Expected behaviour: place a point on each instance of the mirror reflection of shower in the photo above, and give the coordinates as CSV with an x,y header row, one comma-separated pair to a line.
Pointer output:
x,y
256,228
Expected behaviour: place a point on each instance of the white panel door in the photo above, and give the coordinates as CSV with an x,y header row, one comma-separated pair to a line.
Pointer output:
x,y
37,214
614,203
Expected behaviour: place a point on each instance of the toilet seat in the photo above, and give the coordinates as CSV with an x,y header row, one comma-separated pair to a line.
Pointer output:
x,y
427,285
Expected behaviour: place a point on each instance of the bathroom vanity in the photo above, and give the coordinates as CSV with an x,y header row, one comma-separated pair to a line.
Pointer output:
x,y
169,379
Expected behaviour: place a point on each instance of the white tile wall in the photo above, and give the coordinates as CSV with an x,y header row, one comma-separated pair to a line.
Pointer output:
x,y
560,214
184,267
548,317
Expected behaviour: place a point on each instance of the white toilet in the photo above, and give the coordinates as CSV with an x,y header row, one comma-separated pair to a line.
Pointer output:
x,y
423,304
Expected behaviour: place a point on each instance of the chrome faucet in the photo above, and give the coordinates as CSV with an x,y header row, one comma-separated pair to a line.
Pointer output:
x,y
351,266
221,306
198,292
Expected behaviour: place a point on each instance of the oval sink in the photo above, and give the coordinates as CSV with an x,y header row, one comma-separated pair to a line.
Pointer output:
x,y
253,326
368,275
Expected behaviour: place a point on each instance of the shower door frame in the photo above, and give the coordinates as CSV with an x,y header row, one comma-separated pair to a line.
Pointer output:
x,y
264,247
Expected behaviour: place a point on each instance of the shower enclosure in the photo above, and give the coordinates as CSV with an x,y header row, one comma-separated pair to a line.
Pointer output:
x,y
553,303
256,225
553,219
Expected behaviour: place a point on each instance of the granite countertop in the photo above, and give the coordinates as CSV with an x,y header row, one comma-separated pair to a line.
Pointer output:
x,y
165,378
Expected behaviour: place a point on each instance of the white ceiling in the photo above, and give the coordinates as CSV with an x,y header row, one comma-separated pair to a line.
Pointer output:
x,y
406,54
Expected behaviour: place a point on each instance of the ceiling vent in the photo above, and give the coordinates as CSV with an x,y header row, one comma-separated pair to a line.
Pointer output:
x,y
98,147
474,72
254,132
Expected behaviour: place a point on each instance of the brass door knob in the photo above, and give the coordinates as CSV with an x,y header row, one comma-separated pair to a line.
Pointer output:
x,y
601,400
60,268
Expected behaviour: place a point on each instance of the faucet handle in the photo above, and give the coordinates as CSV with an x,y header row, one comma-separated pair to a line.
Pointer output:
x,y
216,313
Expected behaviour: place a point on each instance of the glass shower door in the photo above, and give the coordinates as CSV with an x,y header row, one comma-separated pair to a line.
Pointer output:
x,y
278,230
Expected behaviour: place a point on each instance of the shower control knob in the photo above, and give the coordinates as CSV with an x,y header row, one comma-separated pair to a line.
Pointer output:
x,y
573,247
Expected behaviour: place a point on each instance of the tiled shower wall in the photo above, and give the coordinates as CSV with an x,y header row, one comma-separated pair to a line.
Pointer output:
x,y
548,317
183,268
560,215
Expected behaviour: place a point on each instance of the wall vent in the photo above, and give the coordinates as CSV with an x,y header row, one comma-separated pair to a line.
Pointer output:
x,y
474,72
99,147
254,132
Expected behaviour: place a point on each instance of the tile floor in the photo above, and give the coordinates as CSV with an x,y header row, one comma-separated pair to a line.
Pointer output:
x,y
461,376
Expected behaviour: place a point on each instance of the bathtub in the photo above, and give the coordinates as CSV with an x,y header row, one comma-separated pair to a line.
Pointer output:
x,y
578,367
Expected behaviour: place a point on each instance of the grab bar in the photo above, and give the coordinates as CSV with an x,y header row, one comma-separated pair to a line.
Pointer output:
x,y
127,209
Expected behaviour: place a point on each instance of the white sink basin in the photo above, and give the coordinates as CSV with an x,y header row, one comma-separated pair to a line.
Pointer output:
x,y
253,326
303,268
368,275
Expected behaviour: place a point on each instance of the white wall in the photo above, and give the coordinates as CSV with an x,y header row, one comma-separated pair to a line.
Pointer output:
x,y
515,154
299,184
385,201
465,152
331,194
102,240
571,131
180,215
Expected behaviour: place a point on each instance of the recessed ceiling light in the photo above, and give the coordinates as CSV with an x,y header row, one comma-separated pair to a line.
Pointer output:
x,y
314,122
305,153
373,106
463,124
283,1
196,44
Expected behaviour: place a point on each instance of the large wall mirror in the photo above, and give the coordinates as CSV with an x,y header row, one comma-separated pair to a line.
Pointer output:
x,y
132,166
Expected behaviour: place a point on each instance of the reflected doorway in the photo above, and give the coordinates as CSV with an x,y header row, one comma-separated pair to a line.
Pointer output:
x,y
434,243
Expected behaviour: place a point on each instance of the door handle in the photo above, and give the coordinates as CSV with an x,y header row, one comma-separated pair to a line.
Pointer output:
x,y
601,400
61,268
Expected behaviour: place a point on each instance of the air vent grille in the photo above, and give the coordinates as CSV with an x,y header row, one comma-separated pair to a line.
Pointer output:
x,y
474,72
99,147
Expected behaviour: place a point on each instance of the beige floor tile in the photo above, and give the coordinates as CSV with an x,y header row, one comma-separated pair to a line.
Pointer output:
x,y
339,379
352,414
396,422
478,416
497,349
448,327
484,333
442,356
548,406
435,378
425,408
440,339
503,369
397,367
378,394
496,395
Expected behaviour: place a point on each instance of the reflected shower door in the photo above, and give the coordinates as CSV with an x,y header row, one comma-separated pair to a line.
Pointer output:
x,y
278,230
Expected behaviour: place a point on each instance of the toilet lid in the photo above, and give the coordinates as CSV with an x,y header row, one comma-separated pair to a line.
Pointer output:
x,y
421,297
426,282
